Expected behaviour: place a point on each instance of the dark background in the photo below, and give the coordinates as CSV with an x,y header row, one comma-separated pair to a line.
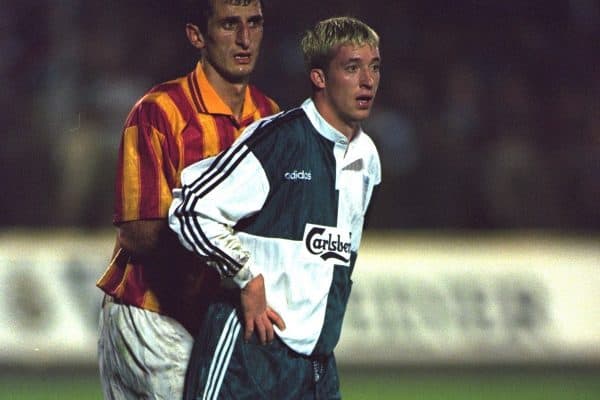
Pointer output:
x,y
487,117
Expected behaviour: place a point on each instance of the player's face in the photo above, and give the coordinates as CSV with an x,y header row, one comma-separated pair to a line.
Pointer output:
x,y
351,82
232,39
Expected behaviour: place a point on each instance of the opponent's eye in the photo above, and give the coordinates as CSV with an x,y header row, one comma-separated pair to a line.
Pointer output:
x,y
255,22
229,24
376,67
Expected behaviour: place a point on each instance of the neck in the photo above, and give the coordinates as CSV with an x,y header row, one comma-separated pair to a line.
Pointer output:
x,y
232,93
346,128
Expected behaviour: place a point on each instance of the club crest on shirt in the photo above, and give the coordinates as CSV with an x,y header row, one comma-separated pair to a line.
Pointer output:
x,y
330,244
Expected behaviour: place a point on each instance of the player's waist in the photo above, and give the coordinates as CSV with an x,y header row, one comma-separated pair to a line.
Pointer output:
x,y
108,299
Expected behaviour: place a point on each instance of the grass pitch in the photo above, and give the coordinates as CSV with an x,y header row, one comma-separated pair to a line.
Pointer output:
x,y
472,384
361,384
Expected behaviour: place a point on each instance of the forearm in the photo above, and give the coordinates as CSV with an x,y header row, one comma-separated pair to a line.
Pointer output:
x,y
217,242
214,197
145,238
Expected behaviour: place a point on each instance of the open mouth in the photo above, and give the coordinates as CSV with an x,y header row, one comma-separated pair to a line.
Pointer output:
x,y
364,101
242,58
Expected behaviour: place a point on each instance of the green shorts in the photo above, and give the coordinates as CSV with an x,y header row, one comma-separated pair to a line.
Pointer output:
x,y
223,366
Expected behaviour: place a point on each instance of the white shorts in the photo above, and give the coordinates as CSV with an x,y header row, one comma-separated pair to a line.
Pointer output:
x,y
141,354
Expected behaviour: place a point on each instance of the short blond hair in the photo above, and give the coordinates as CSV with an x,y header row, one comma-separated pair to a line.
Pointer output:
x,y
318,43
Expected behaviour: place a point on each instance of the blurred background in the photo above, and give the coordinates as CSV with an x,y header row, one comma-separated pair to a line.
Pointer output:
x,y
487,121
487,116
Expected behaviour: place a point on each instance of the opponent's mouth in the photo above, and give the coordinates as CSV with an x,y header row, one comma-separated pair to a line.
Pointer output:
x,y
364,101
242,58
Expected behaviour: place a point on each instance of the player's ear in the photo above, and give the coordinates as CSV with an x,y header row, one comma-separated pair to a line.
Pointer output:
x,y
317,77
194,35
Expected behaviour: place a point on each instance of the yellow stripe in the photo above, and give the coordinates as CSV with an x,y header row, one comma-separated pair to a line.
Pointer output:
x,y
150,302
131,188
164,191
177,123
165,103
274,106
248,108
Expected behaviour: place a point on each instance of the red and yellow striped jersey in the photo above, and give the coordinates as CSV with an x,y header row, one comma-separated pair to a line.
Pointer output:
x,y
173,125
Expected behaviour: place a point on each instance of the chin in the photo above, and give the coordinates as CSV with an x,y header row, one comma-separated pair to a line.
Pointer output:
x,y
362,114
239,76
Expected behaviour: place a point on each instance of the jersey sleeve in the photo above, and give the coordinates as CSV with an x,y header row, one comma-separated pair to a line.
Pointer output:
x,y
144,171
216,193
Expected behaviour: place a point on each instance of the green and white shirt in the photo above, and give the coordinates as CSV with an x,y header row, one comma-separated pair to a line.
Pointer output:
x,y
287,201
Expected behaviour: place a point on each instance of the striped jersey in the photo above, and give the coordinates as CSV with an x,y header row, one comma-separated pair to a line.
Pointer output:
x,y
172,126
287,201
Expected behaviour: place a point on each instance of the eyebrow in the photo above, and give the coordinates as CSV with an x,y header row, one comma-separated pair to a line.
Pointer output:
x,y
236,18
256,18
359,59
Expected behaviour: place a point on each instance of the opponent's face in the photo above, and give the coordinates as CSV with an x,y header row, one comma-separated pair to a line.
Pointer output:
x,y
349,85
232,40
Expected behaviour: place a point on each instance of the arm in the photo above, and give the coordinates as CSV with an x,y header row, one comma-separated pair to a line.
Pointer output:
x,y
142,238
215,195
146,172
153,243
145,175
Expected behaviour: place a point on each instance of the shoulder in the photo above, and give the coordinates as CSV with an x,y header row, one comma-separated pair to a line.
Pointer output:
x,y
273,139
163,94
371,155
284,125
367,143
264,103
165,102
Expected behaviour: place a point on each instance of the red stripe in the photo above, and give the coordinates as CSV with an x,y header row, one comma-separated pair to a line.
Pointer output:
x,y
225,130
177,93
135,284
261,101
151,114
195,90
193,142
191,134
149,188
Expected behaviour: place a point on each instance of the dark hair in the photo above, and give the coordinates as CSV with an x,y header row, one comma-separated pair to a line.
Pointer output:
x,y
198,12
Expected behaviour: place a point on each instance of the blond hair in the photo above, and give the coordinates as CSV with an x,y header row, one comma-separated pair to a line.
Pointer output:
x,y
318,43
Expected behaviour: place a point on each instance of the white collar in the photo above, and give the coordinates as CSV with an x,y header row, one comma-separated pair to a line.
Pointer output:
x,y
322,126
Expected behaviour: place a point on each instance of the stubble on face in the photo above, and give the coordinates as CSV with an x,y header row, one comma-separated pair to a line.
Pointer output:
x,y
233,38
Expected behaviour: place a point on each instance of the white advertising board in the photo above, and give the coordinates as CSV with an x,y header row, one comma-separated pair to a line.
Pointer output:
x,y
417,299
517,298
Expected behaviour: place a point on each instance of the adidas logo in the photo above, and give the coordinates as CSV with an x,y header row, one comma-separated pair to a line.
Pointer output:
x,y
298,175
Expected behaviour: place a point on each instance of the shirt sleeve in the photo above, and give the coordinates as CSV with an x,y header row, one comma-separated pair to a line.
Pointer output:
x,y
144,171
216,193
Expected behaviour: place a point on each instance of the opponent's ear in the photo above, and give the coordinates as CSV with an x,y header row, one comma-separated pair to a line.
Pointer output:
x,y
317,77
194,36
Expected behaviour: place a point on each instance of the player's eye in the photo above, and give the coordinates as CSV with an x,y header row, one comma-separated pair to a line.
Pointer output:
x,y
351,68
255,22
229,25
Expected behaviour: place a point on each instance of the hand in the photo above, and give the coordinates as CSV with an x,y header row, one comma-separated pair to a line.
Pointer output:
x,y
257,314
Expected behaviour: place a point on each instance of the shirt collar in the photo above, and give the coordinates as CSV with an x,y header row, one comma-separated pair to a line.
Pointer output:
x,y
322,126
212,103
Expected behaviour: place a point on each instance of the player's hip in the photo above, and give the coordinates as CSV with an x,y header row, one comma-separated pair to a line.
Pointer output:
x,y
224,366
141,351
